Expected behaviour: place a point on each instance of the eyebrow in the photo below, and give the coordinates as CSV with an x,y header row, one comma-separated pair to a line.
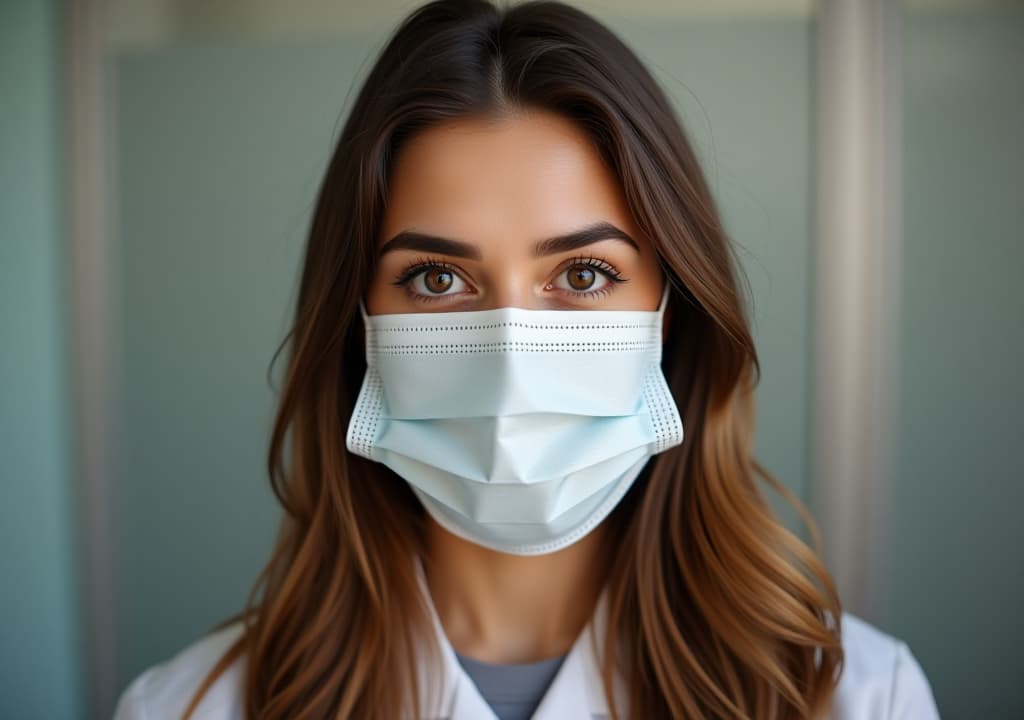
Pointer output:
x,y
412,240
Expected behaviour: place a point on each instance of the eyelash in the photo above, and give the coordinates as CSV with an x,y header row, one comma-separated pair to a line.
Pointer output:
x,y
419,266
423,264
602,266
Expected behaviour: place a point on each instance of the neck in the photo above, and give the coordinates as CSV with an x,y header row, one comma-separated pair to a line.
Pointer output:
x,y
502,608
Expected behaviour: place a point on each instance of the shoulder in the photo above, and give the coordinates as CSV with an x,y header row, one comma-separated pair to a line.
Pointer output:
x,y
880,677
165,690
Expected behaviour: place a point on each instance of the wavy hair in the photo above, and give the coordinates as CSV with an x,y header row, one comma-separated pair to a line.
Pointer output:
x,y
715,609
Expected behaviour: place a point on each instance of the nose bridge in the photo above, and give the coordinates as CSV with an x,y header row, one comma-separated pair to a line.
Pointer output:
x,y
510,284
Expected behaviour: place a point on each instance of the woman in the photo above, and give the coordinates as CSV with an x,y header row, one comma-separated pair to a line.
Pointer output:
x,y
519,402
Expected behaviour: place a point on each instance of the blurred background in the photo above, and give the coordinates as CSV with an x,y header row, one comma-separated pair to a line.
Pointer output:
x,y
158,164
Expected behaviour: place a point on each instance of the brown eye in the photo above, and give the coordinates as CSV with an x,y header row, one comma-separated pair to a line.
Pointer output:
x,y
438,280
581,277
432,281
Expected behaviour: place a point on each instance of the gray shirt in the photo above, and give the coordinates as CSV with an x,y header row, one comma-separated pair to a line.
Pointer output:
x,y
512,690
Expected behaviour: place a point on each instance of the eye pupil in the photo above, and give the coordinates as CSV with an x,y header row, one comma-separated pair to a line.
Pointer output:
x,y
581,277
438,280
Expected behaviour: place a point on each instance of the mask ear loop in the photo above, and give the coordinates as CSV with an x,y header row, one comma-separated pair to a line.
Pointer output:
x,y
366,327
664,299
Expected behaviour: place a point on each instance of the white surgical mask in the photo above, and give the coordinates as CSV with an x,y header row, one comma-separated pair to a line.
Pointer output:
x,y
519,430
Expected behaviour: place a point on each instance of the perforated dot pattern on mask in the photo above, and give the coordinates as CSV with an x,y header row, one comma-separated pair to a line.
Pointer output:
x,y
664,416
363,428
514,345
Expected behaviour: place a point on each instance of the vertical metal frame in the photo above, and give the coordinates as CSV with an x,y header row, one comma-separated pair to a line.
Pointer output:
x,y
93,322
857,288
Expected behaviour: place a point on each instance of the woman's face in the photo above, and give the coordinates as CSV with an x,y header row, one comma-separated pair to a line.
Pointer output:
x,y
517,212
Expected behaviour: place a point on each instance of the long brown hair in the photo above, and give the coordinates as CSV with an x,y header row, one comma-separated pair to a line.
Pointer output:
x,y
715,609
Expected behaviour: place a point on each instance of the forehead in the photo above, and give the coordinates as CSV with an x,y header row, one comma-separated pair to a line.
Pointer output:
x,y
516,178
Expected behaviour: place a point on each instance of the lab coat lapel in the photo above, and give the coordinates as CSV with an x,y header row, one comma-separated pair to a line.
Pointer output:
x,y
578,689
583,694
466,701
567,697
468,704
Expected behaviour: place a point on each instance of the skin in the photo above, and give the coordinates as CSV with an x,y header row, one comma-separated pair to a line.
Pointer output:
x,y
499,186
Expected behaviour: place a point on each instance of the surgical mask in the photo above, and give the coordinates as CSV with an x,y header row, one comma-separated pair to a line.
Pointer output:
x,y
519,430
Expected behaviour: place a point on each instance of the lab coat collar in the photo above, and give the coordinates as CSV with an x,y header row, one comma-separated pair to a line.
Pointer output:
x,y
575,692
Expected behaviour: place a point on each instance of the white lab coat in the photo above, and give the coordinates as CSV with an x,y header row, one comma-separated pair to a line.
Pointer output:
x,y
881,681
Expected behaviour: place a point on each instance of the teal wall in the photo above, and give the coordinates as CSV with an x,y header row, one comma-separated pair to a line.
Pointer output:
x,y
39,645
954,584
